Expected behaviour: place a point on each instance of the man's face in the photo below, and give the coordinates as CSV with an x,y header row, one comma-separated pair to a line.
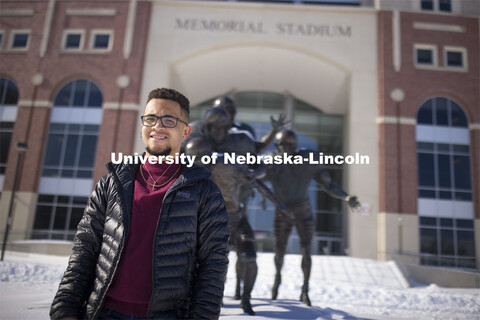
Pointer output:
x,y
158,139
216,133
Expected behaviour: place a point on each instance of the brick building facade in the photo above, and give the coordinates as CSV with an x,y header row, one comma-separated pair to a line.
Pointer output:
x,y
75,75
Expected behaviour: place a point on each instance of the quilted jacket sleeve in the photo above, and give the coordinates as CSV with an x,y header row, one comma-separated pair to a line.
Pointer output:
x,y
212,255
77,280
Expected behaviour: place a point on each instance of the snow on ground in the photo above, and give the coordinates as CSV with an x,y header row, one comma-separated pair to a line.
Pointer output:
x,y
340,288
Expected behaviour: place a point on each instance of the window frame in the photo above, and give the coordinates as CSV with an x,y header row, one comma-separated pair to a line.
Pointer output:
x,y
14,33
94,33
463,51
433,49
68,32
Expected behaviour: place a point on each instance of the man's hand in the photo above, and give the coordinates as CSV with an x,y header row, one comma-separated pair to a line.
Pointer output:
x,y
279,124
352,201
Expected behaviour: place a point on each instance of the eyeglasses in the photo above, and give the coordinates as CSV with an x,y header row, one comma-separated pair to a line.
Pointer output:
x,y
166,121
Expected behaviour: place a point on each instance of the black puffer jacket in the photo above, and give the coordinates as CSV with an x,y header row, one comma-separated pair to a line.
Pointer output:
x,y
190,255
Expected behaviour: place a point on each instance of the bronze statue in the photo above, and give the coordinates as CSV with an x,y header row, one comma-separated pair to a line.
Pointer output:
x,y
231,179
290,184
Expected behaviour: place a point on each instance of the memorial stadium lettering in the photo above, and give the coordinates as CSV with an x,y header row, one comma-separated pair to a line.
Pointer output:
x,y
314,30
219,25
256,27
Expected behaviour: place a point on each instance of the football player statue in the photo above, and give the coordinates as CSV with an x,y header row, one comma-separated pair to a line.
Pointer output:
x,y
290,183
230,178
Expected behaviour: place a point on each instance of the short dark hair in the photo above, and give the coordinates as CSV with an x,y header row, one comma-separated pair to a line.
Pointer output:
x,y
171,94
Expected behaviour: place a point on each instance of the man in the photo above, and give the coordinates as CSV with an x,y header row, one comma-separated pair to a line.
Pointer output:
x,y
290,184
230,179
153,241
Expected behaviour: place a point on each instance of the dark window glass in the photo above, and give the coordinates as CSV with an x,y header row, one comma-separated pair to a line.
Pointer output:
x,y
5,138
454,59
95,98
84,173
63,98
444,222
428,240
57,127
447,242
67,173
60,218
73,41
87,153
50,173
20,40
463,196
427,4
42,217
462,172
441,111
426,193
71,150
101,41
459,119
445,5
426,171
425,114
428,221
443,147
465,243
54,149
460,148
464,223
447,262
425,146
11,96
8,92
75,218
49,198
424,56
329,223
80,93
74,128
1,39
430,261
80,201
91,128
62,199
447,195
444,178
84,92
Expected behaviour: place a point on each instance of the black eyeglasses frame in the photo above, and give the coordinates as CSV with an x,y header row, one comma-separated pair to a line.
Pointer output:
x,y
161,120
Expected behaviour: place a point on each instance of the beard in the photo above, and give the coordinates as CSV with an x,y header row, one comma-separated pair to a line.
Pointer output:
x,y
164,152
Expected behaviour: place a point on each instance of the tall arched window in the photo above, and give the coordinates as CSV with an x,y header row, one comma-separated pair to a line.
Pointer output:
x,y
315,130
8,115
445,204
69,159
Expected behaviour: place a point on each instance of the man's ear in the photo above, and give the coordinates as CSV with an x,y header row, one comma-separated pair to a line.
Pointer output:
x,y
186,132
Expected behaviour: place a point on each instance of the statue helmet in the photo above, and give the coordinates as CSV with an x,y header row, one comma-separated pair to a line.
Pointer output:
x,y
286,138
227,103
216,116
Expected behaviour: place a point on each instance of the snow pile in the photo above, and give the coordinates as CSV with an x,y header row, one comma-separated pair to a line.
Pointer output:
x,y
340,288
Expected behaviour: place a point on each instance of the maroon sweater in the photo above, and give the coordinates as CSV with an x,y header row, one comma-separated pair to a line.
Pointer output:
x,y
131,288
